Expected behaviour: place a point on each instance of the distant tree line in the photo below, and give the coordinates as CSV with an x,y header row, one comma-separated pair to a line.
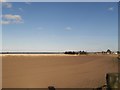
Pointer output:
x,y
75,52
107,52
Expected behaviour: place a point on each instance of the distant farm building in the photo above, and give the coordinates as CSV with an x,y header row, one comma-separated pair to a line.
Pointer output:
x,y
109,51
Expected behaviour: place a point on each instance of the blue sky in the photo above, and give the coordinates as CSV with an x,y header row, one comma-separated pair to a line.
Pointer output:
x,y
59,26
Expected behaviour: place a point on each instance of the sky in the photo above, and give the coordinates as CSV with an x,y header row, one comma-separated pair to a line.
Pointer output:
x,y
60,26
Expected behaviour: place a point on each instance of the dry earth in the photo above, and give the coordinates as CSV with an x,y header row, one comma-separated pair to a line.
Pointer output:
x,y
61,71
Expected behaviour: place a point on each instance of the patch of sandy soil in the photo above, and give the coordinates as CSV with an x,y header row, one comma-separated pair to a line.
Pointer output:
x,y
87,71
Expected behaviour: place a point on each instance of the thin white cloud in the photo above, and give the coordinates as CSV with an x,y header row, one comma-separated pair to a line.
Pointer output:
x,y
2,0
111,8
20,9
11,19
68,28
5,22
7,5
28,3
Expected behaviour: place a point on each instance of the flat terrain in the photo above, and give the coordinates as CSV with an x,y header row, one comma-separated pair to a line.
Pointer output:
x,y
61,71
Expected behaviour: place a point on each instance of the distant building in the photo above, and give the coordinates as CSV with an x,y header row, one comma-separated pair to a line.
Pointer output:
x,y
109,51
